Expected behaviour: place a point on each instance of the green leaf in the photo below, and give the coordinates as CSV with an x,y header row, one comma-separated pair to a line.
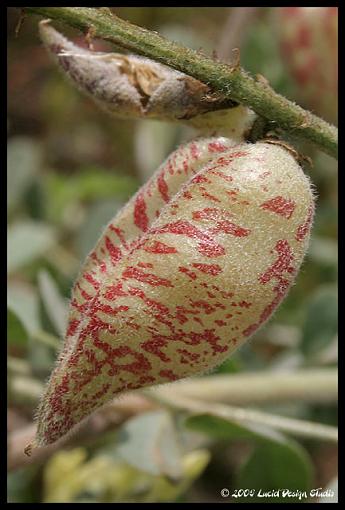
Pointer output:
x,y
324,251
321,324
220,428
23,301
53,302
24,158
98,216
230,366
149,442
26,241
260,55
92,183
277,467
16,332
21,486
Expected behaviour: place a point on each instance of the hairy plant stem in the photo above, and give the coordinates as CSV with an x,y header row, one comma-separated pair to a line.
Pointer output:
x,y
230,81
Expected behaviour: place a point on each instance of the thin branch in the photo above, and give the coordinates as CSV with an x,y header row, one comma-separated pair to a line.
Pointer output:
x,y
231,81
311,385
299,428
250,388
319,386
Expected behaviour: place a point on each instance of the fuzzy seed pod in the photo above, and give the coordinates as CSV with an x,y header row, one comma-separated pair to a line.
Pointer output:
x,y
194,264
186,272
130,86
309,43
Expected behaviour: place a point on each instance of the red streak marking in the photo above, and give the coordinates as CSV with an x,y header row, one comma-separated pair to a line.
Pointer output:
x,y
187,194
206,307
227,227
140,217
119,233
264,175
169,374
265,314
212,269
227,178
194,151
158,247
281,265
220,322
84,294
233,193
133,325
101,392
80,307
153,280
187,358
95,284
114,251
189,273
111,311
170,167
198,179
114,291
162,309
216,147
100,263
210,213
208,336
198,320
163,187
280,205
207,246
244,304
72,327
303,229
181,313
154,347
140,366
145,265
210,197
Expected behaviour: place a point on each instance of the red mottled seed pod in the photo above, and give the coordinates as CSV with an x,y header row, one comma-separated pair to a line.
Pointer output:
x,y
194,264
186,272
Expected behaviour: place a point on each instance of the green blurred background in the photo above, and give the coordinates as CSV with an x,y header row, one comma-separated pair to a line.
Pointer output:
x,y
70,168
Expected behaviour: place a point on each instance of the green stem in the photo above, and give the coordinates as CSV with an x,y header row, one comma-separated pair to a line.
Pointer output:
x,y
46,339
257,388
241,416
230,81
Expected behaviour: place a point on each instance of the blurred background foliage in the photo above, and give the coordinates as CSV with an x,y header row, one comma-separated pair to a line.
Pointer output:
x,y
70,168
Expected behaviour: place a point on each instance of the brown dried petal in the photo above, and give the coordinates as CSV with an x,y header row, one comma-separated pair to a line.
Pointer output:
x,y
130,86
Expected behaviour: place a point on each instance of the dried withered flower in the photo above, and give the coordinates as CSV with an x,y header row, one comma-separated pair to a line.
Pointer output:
x,y
128,85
